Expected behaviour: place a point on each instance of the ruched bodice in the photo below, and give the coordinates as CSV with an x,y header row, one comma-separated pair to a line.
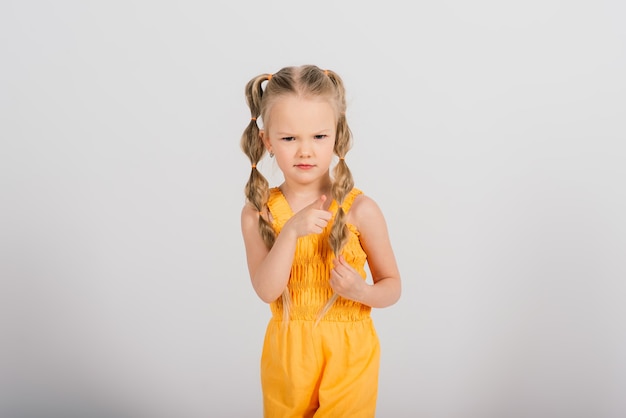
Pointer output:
x,y
313,261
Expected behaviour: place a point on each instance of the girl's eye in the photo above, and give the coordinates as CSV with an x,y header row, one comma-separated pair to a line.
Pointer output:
x,y
321,136
288,138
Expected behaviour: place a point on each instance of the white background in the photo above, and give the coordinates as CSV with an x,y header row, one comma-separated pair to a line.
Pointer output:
x,y
491,134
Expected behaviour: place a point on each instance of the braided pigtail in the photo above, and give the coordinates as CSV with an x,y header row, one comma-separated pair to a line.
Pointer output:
x,y
343,181
342,185
257,187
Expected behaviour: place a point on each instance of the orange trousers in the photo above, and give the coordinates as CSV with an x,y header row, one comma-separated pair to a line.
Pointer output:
x,y
324,371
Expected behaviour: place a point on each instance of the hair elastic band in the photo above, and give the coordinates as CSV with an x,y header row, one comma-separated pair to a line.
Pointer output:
x,y
269,77
252,118
253,165
326,72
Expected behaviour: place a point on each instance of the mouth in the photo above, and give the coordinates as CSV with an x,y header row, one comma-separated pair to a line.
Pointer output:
x,y
304,166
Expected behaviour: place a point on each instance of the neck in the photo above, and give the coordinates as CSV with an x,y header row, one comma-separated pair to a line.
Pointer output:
x,y
314,190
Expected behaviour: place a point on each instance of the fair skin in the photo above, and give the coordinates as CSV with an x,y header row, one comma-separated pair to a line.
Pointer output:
x,y
300,131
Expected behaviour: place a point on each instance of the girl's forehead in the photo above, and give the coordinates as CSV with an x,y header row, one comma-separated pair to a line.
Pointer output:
x,y
292,103
295,105
301,98
301,112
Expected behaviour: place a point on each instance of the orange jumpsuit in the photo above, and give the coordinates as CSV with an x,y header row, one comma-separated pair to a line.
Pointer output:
x,y
324,370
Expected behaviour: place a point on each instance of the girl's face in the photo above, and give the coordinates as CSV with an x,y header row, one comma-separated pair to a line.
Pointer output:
x,y
301,134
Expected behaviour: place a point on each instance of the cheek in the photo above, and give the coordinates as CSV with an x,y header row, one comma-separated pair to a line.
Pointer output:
x,y
330,148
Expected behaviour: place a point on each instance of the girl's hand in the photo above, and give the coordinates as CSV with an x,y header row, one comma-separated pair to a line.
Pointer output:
x,y
346,281
311,219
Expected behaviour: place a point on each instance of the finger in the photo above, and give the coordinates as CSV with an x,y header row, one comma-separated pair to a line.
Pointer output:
x,y
334,281
336,274
318,203
341,271
321,201
345,263
321,223
344,268
341,262
325,215
337,261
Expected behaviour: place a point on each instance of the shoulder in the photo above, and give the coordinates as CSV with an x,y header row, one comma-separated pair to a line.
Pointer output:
x,y
249,216
364,205
364,211
248,209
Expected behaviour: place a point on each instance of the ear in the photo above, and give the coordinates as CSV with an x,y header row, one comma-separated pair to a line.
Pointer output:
x,y
265,139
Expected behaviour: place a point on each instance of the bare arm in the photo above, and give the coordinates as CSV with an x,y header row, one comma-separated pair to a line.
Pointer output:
x,y
269,269
385,291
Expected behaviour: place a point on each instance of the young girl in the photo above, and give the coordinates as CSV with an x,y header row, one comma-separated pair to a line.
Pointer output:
x,y
307,242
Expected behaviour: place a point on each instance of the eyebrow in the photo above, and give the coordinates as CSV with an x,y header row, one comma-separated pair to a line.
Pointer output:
x,y
315,132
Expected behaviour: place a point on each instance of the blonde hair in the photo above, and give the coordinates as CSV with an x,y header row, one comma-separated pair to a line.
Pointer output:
x,y
306,81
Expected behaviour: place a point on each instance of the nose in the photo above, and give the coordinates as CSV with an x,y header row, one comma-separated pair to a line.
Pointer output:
x,y
305,149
